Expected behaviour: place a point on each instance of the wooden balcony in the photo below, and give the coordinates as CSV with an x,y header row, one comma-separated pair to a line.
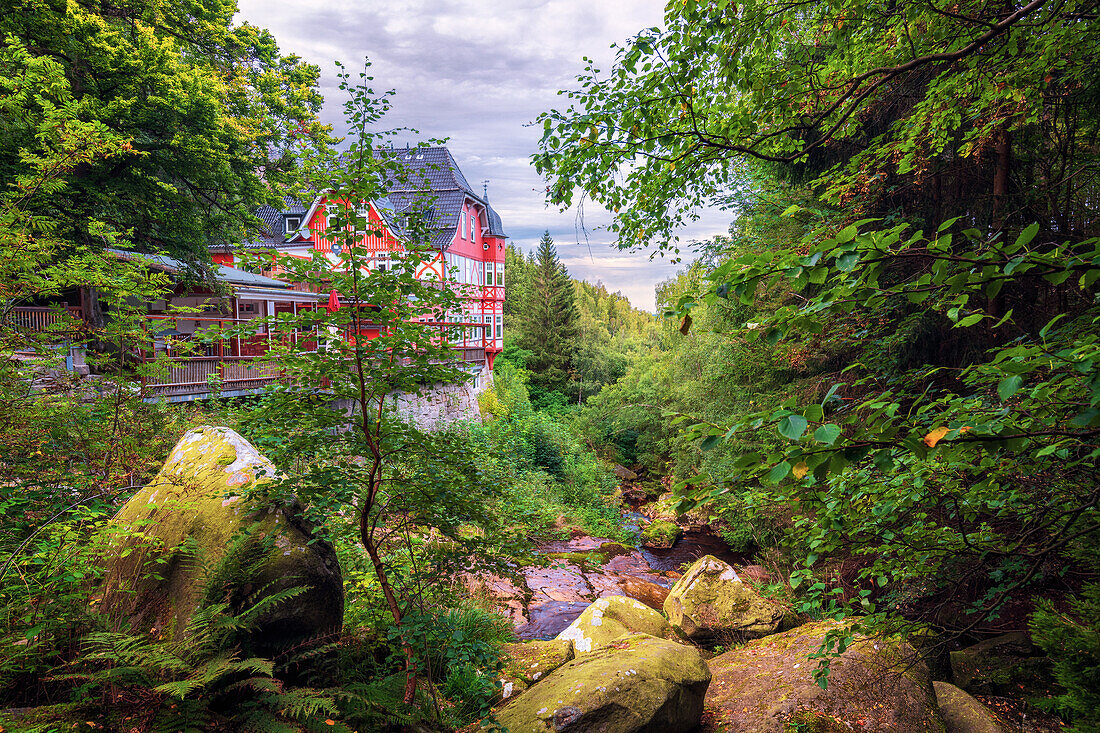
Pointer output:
x,y
235,366
62,320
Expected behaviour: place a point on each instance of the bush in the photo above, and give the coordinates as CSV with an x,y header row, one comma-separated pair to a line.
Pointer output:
x,y
1072,641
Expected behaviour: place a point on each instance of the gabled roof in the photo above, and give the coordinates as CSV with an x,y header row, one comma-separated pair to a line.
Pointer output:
x,y
436,184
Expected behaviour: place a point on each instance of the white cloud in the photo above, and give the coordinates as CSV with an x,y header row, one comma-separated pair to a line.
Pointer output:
x,y
477,72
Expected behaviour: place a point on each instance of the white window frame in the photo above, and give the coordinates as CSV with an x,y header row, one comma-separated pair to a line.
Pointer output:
x,y
291,228
499,327
488,274
462,216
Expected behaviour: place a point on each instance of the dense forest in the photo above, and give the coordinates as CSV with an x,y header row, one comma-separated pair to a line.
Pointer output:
x,y
867,416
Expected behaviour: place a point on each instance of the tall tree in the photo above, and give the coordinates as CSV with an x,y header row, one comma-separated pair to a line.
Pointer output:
x,y
548,321
211,114
951,262
518,268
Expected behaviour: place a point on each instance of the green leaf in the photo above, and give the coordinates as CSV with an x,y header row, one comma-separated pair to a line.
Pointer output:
x,y
793,426
827,434
1009,386
970,320
779,472
1027,235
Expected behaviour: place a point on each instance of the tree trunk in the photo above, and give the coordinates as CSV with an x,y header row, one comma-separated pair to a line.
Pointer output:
x,y
1000,178
367,539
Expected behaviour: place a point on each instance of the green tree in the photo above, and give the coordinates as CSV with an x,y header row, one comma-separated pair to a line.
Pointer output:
x,y
518,268
947,283
548,322
350,453
211,114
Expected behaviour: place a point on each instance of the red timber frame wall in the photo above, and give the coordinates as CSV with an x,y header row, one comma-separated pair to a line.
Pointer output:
x,y
474,261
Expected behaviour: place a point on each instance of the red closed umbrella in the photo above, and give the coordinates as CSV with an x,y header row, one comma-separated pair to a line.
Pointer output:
x,y
333,301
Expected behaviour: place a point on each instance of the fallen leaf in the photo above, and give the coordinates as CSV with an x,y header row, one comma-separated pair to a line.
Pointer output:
x,y
800,469
935,436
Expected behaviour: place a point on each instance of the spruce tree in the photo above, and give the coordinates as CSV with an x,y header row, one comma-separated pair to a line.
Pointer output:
x,y
549,319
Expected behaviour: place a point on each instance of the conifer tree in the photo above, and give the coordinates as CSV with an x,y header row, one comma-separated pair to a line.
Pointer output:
x,y
548,320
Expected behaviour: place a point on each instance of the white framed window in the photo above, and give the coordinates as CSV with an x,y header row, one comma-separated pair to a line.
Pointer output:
x,y
500,327
488,273
292,224
500,273
462,216
473,229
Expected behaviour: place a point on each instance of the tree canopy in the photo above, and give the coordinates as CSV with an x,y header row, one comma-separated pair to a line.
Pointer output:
x,y
903,108
210,113
934,296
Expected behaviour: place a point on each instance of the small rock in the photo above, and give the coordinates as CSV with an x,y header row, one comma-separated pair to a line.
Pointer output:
x,y
1003,665
661,534
609,618
624,473
710,599
648,593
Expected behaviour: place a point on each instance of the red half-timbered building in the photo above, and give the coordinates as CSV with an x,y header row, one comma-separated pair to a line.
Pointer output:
x,y
465,230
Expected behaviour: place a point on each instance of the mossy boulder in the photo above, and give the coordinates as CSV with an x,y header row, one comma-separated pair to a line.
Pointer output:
x,y
875,686
636,683
527,662
1003,665
710,600
189,539
609,618
661,534
962,713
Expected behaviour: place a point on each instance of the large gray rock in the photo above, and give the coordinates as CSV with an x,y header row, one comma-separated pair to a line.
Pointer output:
x,y
875,686
635,684
188,539
1003,665
962,713
710,600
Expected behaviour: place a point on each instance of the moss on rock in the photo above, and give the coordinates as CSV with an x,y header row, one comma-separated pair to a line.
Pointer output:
x,y
875,686
661,534
532,660
189,538
710,599
1004,665
634,683
963,713
609,618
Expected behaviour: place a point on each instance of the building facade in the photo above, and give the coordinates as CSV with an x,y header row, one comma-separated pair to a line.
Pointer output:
x,y
464,229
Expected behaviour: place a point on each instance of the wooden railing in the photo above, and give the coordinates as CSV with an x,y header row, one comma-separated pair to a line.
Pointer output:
x,y
234,364
41,319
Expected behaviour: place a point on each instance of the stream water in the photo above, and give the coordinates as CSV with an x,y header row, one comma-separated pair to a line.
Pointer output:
x,y
560,591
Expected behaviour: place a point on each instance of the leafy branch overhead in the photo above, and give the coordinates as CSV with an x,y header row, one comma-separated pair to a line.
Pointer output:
x,y
662,132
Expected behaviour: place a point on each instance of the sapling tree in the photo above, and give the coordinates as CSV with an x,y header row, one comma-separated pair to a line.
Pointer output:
x,y
381,327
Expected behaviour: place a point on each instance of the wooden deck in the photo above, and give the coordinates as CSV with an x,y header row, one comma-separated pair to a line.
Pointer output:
x,y
200,368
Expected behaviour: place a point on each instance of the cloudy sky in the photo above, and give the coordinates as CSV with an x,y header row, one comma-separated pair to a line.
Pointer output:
x,y
478,72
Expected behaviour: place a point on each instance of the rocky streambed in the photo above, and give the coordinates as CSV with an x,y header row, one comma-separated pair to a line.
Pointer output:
x,y
544,600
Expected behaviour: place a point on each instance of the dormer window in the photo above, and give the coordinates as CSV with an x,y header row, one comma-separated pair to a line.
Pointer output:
x,y
292,224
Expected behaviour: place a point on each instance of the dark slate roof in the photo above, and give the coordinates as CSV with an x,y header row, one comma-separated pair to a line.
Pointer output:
x,y
435,169
432,168
496,227
435,185
230,275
